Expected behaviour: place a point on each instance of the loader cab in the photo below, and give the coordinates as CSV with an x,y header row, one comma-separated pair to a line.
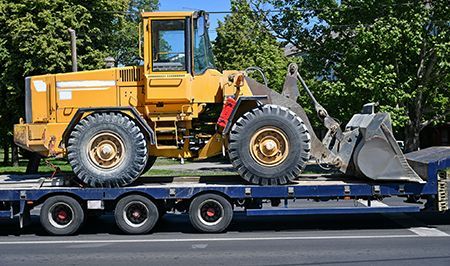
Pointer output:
x,y
177,54
177,42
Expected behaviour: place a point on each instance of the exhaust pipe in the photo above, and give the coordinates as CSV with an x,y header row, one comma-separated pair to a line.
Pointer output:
x,y
73,45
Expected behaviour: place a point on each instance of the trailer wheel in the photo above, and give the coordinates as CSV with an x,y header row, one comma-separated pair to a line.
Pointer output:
x,y
136,214
210,213
61,215
107,150
269,145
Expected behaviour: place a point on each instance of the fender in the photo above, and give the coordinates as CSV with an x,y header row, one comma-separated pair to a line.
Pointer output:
x,y
243,104
142,124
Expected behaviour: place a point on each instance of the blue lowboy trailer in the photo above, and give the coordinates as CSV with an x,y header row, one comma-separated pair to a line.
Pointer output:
x,y
212,201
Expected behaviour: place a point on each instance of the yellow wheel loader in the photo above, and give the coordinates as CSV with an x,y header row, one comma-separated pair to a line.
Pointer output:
x,y
112,124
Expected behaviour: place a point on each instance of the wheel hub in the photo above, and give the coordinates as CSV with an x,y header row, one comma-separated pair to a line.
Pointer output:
x,y
60,215
135,213
106,150
269,146
210,212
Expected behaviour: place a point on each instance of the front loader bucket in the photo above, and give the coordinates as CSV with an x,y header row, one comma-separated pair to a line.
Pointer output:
x,y
377,154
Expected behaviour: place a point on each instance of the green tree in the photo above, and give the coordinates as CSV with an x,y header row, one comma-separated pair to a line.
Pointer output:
x,y
392,52
124,46
34,40
243,42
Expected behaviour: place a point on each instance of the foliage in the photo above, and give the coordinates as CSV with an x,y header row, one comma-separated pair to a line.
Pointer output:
x,y
392,52
124,45
34,40
243,42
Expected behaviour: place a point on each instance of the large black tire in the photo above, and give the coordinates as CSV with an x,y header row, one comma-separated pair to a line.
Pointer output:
x,y
210,213
269,145
61,215
107,150
136,214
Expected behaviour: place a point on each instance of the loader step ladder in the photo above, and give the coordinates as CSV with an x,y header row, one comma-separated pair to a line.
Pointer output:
x,y
166,131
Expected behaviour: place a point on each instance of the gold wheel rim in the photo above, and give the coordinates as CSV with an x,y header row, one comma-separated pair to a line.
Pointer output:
x,y
269,146
106,150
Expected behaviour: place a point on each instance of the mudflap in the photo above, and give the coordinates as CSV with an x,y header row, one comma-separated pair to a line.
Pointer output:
x,y
377,154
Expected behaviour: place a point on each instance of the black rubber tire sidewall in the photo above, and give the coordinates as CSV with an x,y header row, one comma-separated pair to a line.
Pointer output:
x,y
78,216
197,222
134,144
251,170
292,137
153,215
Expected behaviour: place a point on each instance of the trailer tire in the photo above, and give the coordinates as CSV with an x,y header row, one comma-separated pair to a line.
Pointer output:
x,y
269,145
136,214
61,215
107,150
210,213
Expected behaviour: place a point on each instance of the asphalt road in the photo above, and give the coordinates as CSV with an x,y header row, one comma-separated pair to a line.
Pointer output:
x,y
398,239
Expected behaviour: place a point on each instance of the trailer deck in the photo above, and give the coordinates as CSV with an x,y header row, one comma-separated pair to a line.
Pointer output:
x,y
20,193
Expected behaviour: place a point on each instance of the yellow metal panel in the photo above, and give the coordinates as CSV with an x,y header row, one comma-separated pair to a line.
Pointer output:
x,y
130,76
229,87
85,89
168,88
206,87
41,87
132,96
167,14
170,153
21,138
36,132
212,148
21,134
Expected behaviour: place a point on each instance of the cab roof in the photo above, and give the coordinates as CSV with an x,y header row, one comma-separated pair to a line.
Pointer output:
x,y
168,14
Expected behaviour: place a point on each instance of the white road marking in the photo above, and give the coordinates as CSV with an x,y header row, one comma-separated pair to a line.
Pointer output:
x,y
404,220
427,231
199,246
119,241
89,245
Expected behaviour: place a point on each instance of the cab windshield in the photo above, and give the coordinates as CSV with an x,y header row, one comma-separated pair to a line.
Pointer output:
x,y
203,56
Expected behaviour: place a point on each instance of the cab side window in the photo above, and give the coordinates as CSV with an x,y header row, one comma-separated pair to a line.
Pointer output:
x,y
168,45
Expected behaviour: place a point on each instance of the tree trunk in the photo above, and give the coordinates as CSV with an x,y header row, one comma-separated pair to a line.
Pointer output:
x,y
412,130
412,137
5,153
14,155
